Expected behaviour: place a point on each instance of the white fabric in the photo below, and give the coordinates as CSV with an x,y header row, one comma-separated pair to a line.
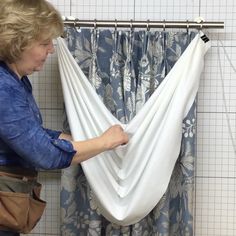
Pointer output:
x,y
128,182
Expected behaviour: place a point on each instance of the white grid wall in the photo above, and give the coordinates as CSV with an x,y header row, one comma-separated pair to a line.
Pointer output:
x,y
215,202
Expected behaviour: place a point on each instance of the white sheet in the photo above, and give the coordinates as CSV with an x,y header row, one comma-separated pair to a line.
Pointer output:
x,y
128,182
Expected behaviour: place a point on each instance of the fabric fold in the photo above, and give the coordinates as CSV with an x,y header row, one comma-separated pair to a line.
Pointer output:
x,y
120,179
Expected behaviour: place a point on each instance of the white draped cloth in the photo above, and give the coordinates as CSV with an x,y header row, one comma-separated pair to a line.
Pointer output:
x,y
129,181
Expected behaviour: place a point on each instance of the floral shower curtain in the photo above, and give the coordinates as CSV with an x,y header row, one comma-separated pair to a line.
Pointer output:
x,y
125,68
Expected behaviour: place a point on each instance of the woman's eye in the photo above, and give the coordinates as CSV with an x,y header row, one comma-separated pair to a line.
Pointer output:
x,y
46,43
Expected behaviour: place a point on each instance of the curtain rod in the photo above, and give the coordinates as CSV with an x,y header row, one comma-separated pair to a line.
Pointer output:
x,y
144,24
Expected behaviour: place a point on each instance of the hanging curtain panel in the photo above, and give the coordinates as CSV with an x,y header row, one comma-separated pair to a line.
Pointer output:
x,y
147,82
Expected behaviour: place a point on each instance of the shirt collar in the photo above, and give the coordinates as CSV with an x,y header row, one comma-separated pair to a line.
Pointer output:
x,y
9,70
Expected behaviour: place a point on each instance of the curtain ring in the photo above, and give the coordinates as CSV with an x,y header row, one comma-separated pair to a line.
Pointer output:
x,y
148,25
77,23
187,25
164,25
115,24
201,26
74,22
95,24
131,24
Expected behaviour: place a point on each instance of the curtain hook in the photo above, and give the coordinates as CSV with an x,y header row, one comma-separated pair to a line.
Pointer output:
x,y
115,24
131,24
95,24
148,28
201,26
164,25
187,25
76,24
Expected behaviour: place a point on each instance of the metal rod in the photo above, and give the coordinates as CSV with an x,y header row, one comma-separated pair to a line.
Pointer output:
x,y
144,24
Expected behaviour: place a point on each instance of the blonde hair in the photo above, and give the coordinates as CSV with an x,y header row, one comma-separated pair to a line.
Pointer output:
x,y
23,22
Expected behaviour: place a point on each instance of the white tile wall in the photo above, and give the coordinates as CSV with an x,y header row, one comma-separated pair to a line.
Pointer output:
x,y
215,203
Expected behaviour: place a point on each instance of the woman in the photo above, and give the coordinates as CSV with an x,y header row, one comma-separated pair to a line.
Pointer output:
x,y
27,29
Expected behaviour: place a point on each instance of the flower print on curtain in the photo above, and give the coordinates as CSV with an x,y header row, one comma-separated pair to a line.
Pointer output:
x,y
125,67
150,66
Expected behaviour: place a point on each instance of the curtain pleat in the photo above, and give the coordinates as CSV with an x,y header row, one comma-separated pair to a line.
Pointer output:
x,y
125,68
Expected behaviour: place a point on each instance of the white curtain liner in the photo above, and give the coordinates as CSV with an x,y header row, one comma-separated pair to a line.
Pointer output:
x,y
129,181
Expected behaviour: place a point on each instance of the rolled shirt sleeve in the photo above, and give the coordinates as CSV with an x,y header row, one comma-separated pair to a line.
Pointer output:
x,y
21,129
53,133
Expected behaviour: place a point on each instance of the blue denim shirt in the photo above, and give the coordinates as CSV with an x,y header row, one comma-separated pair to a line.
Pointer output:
x,y
23,140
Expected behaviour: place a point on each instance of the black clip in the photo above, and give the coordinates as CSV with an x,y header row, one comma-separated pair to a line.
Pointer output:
x,y
204,38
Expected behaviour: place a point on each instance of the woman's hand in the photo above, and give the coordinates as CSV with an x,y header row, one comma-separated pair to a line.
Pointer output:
x,y
114,137
110,139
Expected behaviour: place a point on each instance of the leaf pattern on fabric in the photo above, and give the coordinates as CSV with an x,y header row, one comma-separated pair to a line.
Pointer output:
x,y
125,68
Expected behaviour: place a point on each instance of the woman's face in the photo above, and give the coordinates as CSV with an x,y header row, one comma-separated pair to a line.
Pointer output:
x,y
33,57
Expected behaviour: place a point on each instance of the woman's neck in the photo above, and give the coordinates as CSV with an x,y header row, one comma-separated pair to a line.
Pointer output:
x,y
14,68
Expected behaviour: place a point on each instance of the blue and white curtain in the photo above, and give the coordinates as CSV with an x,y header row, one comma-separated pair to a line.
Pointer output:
x,y
125,67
